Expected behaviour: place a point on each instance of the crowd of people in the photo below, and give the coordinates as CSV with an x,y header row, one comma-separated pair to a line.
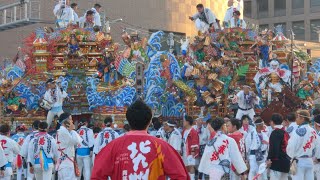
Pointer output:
x,y
205,19
239,147
214,148
66,14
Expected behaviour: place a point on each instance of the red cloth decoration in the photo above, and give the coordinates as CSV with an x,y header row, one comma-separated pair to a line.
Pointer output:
x,y
19,161
106,135
264,70
42,141
81,133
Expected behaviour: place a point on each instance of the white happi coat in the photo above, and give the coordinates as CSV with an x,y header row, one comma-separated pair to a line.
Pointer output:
x,y
60,95
19,138
240,99
104,137
161,133
10,147
25,145
264,143
302,142
317,157
221,151
3,158
75,17
204,136
238,23
252,140
292,128
56,101
97,17
64,15
175,139
45,142
230,10
211,18
66,141
268,130
87,138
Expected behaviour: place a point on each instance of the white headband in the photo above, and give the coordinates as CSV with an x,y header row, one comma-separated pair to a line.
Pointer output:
x,y
169,124
259,123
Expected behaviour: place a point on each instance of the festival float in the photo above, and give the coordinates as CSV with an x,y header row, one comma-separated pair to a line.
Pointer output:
x,y
103,77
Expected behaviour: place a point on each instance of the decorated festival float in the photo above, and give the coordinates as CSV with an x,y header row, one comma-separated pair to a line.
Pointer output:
x,y
103,77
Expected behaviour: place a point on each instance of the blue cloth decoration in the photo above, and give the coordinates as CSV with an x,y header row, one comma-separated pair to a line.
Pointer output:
x,y
184,52
183,72
264,50
73,48
301,131
200,101
208,117
290,129
225,163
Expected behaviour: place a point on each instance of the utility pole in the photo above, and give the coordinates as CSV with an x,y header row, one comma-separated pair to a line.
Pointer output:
x,y
292,57
170,42
108,22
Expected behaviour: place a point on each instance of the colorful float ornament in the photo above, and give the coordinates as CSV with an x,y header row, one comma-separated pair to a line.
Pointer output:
x,y
279,40
40,45
190,93
280,37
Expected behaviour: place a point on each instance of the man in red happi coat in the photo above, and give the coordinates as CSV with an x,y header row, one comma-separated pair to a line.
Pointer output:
x,y
137,155
190,146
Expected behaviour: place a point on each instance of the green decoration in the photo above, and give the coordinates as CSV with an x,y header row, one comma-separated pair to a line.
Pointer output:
x,y
143,54
14,101
233,45
128,69
303,94
242,70
226,80
302,55
200,55
181,64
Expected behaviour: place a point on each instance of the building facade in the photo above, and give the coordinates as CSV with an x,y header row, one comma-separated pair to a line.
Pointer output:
x,y
301,16
141,15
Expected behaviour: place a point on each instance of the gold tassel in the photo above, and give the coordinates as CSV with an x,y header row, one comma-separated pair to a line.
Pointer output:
x,y
207,41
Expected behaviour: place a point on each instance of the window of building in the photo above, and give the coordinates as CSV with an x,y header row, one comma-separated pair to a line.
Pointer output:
x,y
139,71
165,45
296,4
299,30
315,28
262,8
263,27
139,82
284,27
297,7
314,3
247,11
314,6
280,8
